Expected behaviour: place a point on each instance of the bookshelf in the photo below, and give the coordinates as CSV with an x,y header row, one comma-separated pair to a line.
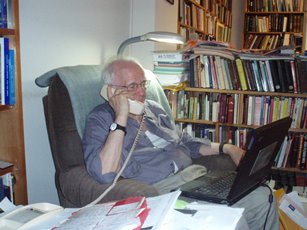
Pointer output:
x,y
272,24
222,102
205,19
11,118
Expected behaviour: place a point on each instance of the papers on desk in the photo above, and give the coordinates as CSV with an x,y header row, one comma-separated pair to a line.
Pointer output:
x,y
205,216
291,205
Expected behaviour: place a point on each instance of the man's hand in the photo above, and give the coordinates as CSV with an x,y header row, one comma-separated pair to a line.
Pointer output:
x,y
118,99
234,152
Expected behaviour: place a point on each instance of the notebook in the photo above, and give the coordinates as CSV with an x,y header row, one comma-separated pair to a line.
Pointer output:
x,y
262,146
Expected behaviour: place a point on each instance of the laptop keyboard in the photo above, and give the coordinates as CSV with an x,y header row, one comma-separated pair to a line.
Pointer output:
x,y
219,187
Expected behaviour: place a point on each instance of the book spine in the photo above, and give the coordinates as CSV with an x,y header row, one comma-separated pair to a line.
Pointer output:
x,y
241,74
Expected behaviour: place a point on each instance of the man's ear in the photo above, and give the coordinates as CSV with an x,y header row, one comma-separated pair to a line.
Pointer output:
x,y
110,91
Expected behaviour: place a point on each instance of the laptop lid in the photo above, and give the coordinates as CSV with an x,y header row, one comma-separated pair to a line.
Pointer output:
x,y
262,146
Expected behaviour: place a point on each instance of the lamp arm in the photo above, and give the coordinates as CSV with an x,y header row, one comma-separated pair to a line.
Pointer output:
x,y
127,42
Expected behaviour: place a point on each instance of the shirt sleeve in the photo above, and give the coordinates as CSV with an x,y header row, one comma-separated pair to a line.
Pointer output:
x,y
95,136
191,143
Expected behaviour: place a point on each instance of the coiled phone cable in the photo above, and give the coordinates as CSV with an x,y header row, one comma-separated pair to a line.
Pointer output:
x,y
123,167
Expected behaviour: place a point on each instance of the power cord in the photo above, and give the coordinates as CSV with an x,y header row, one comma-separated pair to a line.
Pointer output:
x,y
122,168
270,201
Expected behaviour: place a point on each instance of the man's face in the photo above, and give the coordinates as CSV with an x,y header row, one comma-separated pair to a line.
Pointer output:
x,y
132,77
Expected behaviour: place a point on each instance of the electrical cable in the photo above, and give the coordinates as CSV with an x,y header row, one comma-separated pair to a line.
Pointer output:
x,y
122,168
270,201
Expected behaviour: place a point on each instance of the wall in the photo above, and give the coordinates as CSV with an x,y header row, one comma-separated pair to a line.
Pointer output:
x,y
237,23
57,33
148,16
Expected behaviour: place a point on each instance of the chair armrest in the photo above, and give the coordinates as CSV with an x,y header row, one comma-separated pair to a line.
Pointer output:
x,y
79,188
216,162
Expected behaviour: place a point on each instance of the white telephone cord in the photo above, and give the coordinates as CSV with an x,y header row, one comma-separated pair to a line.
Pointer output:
x,y
122,168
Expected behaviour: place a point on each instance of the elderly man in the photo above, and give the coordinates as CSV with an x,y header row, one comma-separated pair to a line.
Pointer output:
x,y
156,150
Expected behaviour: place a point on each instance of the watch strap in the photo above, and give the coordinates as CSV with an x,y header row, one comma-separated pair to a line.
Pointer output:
x,y
119,127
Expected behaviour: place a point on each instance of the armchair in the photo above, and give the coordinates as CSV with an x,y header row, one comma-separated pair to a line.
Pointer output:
x,y
73,92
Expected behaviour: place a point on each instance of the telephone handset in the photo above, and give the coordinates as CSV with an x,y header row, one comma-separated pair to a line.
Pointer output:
x,y
136,107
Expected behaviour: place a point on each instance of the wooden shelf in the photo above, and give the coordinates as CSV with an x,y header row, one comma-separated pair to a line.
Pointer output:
x,y
273,12
296,170
11,119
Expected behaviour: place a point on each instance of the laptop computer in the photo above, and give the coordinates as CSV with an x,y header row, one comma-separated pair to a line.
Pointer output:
x,y
262,146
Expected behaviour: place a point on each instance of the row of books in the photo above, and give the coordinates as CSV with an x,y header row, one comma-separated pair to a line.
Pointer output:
x,y
270,42
275,5
191,15
227,108
7,73
6,20
223,14
219,69
293,152
274,23
232,135
199,131
198,19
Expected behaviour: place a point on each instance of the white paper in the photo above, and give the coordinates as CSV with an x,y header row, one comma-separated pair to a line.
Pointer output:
x,y
160,206
207,216
292,206
6,205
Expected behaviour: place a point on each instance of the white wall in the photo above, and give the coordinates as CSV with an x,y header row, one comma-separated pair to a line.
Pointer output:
x,y
57,33
148,16
238,7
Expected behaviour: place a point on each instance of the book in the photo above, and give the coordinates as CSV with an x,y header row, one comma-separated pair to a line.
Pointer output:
x,y
241,74
257,76
301,74
257,119
265,78
169,57
274,74
219,73
4,14
281,75
230,109
251,110
4,55
288,74
233,74
249,75
213,72
304,152
223,108
11,83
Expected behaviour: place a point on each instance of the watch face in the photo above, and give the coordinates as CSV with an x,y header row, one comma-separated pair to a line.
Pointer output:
x,y
113,126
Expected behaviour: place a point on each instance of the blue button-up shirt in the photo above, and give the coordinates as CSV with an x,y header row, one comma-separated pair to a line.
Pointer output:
x,y
148,162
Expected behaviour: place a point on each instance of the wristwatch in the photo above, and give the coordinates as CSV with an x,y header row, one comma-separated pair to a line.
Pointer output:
x,y
114,126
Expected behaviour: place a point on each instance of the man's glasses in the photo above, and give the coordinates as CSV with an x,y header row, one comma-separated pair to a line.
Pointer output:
x,y
134,86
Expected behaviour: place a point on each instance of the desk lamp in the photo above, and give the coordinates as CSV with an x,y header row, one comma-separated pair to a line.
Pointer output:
x,y
158,36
